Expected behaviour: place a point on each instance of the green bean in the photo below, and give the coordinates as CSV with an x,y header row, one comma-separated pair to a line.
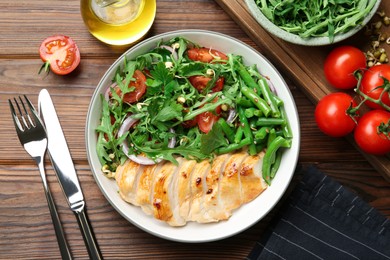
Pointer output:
x,y
247,130
269,157
229,133
271,136
260,146
244,102
259,102
262,133
235,146
286,128
268,96
275,166
258,113
264,121
277,100
246,77
238,135
249,112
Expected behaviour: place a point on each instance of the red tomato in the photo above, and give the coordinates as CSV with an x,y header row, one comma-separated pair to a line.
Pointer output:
x,y
205,55
372,78
190,123
206,121
61,53
331,114
200,83
138,84
367,136
340,65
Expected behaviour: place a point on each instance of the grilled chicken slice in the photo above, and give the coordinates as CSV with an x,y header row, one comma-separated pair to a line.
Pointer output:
x,y
184,187
127,179
252,182
192,191
212,208
145,186
198,189
230,185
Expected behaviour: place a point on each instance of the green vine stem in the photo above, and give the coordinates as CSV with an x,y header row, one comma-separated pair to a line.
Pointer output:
x,y
386,90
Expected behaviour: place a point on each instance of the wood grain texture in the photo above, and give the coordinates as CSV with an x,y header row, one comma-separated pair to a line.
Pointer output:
x,y
26,231
303,64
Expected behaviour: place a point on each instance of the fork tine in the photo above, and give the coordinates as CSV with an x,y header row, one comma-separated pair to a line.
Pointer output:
x,y
34,112
16,120
25,124
27,114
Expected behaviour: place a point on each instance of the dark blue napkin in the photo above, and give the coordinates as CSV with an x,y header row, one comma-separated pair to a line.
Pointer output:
x,y
323,220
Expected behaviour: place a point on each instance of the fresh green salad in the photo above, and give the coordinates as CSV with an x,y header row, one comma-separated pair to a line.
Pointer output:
x,y
182,99
314,18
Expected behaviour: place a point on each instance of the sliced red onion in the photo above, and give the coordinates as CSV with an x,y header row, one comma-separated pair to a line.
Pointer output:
x,y
169,48
231,116
271,86
129,121
108,90
172,141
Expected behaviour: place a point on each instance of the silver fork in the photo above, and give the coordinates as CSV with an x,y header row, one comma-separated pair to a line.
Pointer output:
x,y
32,136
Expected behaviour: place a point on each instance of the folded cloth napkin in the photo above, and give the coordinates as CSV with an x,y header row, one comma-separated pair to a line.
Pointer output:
x,y
323,220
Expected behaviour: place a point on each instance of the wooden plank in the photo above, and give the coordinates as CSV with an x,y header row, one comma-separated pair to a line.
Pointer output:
x,y
302,64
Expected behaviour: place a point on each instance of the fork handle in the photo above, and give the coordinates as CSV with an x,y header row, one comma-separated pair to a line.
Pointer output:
x,y
62,243
88,235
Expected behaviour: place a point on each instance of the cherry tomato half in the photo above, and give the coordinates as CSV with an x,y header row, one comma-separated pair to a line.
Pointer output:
x,y
206,121
331,114
340,65
139,88
372,78
61,53
367,136
206,55
200,83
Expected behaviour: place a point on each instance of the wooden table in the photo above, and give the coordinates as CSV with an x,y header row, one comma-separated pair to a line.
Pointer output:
x,y
26,231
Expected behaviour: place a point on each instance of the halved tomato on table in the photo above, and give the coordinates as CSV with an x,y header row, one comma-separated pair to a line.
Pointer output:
x,y
60,53
206,55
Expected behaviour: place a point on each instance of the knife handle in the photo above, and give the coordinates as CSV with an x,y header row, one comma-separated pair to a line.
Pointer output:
x,y
88,235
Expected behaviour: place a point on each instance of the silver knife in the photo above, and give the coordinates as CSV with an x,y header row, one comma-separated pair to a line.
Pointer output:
x,y
65,170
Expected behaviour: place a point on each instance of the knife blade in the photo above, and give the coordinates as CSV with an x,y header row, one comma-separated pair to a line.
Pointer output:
x,y
66,173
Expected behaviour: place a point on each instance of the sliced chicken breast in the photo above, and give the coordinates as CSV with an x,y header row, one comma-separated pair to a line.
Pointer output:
x,y
192,191
126,177
252,182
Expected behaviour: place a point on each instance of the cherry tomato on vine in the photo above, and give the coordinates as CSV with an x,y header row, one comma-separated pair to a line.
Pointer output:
x,y
373,78
370,136
139,88
60,53
331,114
340,65
206,55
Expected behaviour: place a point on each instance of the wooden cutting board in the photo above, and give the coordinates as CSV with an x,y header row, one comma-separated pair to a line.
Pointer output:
x,y
302,64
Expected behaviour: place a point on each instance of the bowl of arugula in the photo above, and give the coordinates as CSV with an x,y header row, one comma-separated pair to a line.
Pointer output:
x,y
313,23
165,61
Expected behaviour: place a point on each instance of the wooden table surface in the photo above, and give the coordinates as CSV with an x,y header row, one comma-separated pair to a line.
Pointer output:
x,y
26,231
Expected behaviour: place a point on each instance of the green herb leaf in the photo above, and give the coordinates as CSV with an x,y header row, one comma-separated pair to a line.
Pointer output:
x,y
213,140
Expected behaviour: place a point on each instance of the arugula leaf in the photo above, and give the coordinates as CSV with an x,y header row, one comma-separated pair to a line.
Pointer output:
x,y
170,111
162,74
191,69
213,140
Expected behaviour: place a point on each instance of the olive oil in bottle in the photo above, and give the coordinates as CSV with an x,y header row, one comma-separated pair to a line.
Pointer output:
x,y
118,22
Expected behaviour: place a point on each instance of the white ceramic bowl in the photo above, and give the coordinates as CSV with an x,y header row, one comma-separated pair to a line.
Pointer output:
x,y
246,215
293,38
